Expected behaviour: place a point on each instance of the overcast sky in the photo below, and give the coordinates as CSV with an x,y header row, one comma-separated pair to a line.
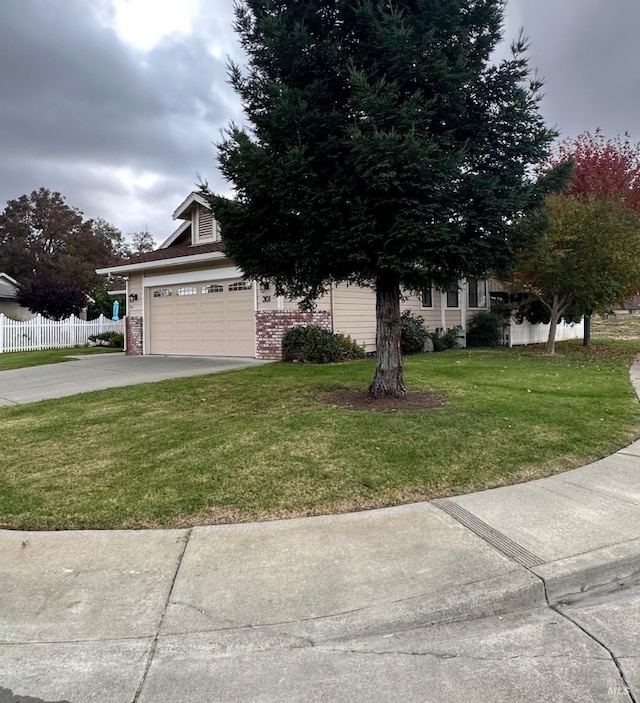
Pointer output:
x,y
116,103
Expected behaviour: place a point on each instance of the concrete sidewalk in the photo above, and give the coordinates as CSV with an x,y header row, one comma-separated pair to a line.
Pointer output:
x,y
518,594
471,598
95,372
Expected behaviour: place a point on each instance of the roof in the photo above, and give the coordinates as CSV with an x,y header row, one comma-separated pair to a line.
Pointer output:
x,y
184,227
8,286
175,252
178,254
183,210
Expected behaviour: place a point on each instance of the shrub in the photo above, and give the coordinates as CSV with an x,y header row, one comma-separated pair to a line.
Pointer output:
x,y
484,330
444,339
114,340
318,346
413,333
293,343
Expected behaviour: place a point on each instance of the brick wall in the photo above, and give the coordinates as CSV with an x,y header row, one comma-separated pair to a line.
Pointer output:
x,y
133,338
272,324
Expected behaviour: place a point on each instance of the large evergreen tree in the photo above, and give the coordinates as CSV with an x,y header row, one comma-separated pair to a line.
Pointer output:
x,y
383,147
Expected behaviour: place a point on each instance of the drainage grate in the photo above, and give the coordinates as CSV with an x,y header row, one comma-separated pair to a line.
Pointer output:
x,y
488,534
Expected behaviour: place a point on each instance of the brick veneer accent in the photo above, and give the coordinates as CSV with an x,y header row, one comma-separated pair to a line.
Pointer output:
x,y
272,324
133,338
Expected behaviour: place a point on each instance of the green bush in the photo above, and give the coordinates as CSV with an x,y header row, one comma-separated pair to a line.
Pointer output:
x,y
484,330
293,343
413,333
318,346
444,339
114,340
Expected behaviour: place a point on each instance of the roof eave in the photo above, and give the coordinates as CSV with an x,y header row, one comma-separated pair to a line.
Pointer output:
x,y
162,263
182,210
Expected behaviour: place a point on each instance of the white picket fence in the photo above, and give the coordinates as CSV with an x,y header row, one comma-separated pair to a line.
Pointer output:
x,y
515,333
42,333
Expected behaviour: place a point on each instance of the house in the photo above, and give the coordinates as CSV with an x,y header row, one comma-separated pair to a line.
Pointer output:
x,y
188,297
9,305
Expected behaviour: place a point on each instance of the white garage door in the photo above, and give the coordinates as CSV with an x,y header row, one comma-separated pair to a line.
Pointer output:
x,y
203,319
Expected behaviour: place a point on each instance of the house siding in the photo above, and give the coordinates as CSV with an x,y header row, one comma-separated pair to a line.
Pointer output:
x,y
354,314
16,312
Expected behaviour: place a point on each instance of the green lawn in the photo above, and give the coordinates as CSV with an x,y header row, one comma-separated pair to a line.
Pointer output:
x,y
21,360
263,443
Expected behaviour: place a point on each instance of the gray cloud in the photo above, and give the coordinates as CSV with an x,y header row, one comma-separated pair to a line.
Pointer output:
x,y
78,104
80,107
588,53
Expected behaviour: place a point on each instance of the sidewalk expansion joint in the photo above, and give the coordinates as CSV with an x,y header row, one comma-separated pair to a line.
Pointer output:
x,y
496,539
154,644
613,657
556,608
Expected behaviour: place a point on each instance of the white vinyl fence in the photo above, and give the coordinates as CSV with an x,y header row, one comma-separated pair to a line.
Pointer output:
x,y
42,333
516,333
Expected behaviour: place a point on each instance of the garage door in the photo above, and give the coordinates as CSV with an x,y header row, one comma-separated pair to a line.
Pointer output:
x,y
203,318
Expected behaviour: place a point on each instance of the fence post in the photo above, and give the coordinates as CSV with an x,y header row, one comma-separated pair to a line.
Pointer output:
x,y
2,319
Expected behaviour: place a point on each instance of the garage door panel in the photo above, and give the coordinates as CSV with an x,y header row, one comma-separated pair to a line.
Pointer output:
x,y
220,323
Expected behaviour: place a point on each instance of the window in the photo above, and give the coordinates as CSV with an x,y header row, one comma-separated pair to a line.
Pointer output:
x,y
186,290
213,288
427,298
452,298
162,293
477,293
240,285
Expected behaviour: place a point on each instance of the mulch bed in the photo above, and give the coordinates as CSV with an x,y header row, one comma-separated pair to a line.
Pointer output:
x,y
363,400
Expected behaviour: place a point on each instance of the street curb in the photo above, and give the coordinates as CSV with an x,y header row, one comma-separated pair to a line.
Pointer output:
x,y
573,579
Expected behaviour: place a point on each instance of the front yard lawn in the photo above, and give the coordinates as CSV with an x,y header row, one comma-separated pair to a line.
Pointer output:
x,y
22,360
264,443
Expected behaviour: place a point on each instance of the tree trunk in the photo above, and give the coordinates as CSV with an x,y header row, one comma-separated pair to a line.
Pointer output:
x,y
586,338
389,380
556,311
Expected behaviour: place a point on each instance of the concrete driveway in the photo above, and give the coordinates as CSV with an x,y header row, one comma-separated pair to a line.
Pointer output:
x,y
95,372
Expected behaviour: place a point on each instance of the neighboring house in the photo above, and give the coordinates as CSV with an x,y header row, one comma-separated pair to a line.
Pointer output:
x,y
9,306
188,297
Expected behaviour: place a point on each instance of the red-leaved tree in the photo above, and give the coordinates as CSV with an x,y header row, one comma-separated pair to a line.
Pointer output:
x,y
604,168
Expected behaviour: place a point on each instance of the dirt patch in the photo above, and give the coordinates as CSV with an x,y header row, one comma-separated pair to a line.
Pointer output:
x,y
363,400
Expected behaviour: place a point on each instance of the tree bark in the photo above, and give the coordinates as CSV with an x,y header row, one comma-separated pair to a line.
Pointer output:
x,y
389,379
556,312
586,338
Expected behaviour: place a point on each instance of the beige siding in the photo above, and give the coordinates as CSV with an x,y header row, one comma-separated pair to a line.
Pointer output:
x,y
269,301
135,309
431,315
16,312
354,314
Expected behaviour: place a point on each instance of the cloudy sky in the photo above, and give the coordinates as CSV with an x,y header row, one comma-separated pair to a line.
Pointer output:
x,y
116,103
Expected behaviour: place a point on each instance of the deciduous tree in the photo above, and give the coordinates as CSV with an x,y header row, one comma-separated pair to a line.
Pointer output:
x,y
52,297
141,243
587,259
604,168
42,237
383,147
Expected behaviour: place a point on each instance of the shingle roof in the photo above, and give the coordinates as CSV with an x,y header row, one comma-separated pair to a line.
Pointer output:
x,y
175,252
7,290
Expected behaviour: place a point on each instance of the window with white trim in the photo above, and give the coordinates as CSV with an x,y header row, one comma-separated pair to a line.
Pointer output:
x,y
453,298
477,292
187,290
427,298
240,285
212,288
162,293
